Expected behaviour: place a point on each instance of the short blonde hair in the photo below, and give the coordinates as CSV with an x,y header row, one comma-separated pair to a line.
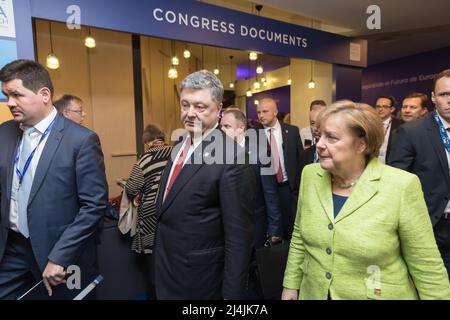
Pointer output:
x,y
361,120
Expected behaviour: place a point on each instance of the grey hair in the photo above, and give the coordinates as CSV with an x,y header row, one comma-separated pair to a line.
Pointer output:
x,y
204,79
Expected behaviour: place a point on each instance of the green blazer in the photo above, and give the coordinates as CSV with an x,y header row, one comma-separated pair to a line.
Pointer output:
x,y
380,245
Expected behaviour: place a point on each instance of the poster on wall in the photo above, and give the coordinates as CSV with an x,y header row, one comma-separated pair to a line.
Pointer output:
x,y
7,26
8,53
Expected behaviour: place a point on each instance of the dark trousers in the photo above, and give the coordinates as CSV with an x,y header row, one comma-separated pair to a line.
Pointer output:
x,y
19,272
288,201
150,264
18,269
442,235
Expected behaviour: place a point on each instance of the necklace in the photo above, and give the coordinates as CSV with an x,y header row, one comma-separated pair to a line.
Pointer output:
x,y
343,185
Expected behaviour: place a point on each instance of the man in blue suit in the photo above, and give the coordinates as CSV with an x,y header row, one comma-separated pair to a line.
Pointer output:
x,y
53,190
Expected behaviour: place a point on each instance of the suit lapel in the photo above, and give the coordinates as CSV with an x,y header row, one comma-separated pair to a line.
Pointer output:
x,y
47,155
365,189
323,189
436,141
284,144
11,152
10,170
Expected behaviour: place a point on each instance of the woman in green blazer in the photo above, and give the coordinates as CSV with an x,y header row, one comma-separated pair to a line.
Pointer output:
x,y
362,229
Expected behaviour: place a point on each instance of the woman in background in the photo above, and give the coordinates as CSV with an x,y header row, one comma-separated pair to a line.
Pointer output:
x,y
143,182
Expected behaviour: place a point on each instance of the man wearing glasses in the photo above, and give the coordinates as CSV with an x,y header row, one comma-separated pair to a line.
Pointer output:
x,y
385,107
71,107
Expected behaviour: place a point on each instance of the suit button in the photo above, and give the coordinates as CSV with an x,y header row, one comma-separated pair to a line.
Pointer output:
x,y
328,275
328,250
330,226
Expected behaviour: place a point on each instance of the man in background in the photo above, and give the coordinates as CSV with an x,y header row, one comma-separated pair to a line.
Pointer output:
x,y
414,106
423,148
285,147
71,107
385,107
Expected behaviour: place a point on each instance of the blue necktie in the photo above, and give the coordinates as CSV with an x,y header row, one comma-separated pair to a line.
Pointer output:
x,y
25,187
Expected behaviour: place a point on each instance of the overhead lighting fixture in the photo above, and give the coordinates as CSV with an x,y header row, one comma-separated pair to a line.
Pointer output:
x,y
52,61
249,93
257,85
90,41
311,83
289,82
231,73
259,70
175,61
265,83
186,53
253,56
216,69
256,102
173,73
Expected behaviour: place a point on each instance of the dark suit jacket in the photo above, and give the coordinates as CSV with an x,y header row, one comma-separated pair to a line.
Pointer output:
x,y
204,230
394,126
268,216
307,157
418,148
68,197
292,147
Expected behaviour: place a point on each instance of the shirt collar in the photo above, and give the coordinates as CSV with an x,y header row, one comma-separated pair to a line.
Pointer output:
x,y
276,126
444,122
197,139
44,123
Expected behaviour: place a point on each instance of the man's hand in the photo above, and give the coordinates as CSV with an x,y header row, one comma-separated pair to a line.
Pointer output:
x,y
53,275
289,294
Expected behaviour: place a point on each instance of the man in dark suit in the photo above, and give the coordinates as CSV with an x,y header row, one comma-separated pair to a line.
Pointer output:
x,y
204,227
310,155
285,147
53,190
385,107
423,147
268,220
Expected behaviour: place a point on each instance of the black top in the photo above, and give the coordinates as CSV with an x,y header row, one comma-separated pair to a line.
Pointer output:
x,y
338,203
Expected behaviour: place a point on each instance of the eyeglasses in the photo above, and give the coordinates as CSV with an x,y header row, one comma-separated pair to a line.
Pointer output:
x,y
378,107
80,112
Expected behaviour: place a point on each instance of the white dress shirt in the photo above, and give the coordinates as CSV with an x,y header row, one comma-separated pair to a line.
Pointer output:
x,y
446,126
383,149
279,139
35,137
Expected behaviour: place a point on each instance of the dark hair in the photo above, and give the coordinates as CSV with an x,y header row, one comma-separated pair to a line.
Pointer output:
x,y
64,102
317,102
423,98
390,98
237,114
151,133
442,74
33,75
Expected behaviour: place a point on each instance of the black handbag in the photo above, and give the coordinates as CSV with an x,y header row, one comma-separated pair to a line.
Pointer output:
x,y
271,263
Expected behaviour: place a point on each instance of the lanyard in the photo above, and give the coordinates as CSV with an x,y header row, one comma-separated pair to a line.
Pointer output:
x,y
30,157
443,133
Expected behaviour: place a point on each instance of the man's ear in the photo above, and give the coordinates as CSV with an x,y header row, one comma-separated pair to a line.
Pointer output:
x,y
46,95
433,98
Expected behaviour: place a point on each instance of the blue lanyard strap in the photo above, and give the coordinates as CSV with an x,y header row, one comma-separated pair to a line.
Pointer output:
x,y
30,157
443,133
